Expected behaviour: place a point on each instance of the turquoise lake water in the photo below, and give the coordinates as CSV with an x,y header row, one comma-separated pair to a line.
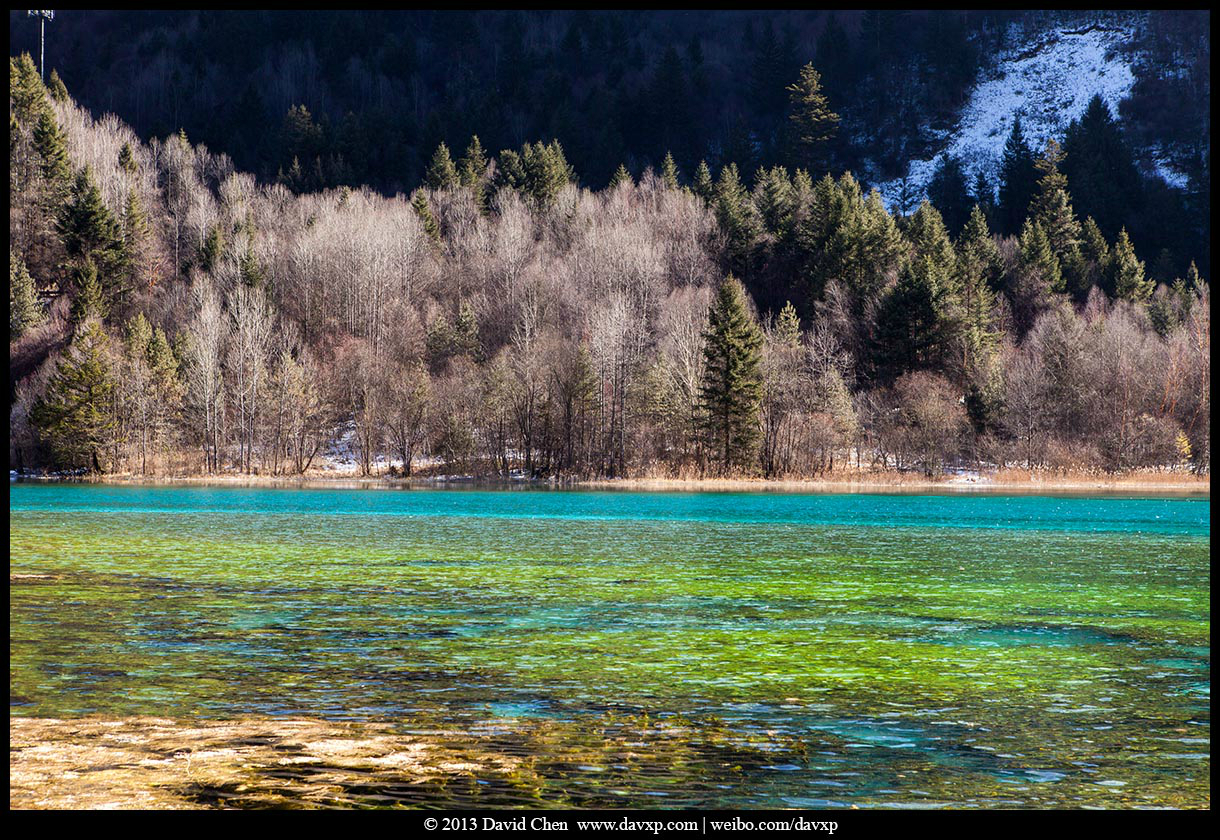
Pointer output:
x,y
795,650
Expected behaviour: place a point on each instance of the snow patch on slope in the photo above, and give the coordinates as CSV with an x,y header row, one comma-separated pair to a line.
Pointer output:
x,y
1048,80
1165,171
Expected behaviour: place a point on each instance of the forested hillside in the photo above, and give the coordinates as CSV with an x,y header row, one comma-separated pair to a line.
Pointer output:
x,y
170,313
364,97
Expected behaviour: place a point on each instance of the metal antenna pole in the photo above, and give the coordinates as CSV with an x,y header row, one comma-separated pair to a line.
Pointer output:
x,y
43,16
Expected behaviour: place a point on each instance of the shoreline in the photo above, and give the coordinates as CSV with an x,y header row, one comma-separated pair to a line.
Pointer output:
x,y
1014,481
889,483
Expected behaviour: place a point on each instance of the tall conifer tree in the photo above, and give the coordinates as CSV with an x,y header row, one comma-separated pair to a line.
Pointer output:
x,y
703,185
442,174
1130,283
91,232
56,87
669,172
24,311
979,265
52,158
1018,178
732,383
813,122
620,176
75,415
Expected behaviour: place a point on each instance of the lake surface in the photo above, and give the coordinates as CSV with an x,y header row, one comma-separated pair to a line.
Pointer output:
x,y
661,649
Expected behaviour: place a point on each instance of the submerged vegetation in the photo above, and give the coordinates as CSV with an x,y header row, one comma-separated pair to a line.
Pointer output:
x,y
609,649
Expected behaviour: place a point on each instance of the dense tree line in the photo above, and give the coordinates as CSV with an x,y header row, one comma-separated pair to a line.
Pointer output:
x,y
169,314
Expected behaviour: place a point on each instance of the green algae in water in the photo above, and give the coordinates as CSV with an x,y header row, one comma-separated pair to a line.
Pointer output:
x,y
839,649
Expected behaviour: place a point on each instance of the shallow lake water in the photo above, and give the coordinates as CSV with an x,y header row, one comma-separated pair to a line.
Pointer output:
x,y
658,649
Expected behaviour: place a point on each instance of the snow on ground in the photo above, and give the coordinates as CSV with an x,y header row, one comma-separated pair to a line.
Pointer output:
x,y
1048,79
1165,171
341,454
340,457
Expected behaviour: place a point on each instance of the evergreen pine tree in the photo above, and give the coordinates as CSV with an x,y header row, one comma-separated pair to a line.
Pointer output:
x,y
24,311
823,237
137,238
473,165
90,232
75,414
538,172
788,327
949,193
1194,283
926,231
419,203
1037,257
812,119
167,387
510,171
466,331
620,176
163,362
89,301
250,269
775,201
442,174
984,195
439,340
913,328
1053,206
1095,258
977,251
127,159
300,136
547,172
841,236
295,179
52,158
1018,178
1129,280
979,265
703,185
802,189
212,248
472,171
738,219
731,392
1100,168
56,87
1163,314
137,335
1188,292
26,91
879,245
669,172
